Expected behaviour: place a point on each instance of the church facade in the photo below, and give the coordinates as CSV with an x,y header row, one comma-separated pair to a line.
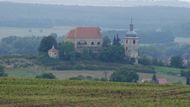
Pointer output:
x,y
131,45
85,38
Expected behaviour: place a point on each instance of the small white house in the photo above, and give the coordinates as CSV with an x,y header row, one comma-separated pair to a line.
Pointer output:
x,y
53,53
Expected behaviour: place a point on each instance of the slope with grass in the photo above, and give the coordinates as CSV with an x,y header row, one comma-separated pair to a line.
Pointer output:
x,y
27,67
56,93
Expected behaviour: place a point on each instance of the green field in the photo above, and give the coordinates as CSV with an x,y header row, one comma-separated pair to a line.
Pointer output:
x,y
168,70
171,74
27,68
57,93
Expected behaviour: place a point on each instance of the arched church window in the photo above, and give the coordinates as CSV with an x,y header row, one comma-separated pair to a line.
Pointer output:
x,y
126,41
134,42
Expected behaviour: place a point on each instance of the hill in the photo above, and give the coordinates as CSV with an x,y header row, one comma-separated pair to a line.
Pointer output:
x,y
43,93
38,15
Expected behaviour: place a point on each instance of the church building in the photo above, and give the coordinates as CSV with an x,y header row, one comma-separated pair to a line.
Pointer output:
x,y
131,44
85,38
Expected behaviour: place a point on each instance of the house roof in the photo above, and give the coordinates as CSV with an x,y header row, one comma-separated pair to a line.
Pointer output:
x,y
84,33
53,50
162,81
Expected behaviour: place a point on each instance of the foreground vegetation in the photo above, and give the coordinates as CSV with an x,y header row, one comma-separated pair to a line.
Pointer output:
x,y
55,93
28,67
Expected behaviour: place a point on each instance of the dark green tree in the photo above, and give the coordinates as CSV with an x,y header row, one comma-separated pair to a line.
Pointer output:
x,y
87,54
177,61
158,62
145,61
116,41
68,51
124,76
20,45
186,74
47,43
155,79
112,54
46,76
61,50
106,41
2,72
188,80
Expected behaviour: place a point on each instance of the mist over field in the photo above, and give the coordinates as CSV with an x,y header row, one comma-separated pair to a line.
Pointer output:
x,y
100,53
178,3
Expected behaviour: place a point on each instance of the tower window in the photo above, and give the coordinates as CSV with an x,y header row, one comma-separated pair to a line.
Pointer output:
x,y
134,42
92,43
126,41
98,43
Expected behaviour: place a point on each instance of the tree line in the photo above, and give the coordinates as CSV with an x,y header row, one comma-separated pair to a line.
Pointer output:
x,y
112,51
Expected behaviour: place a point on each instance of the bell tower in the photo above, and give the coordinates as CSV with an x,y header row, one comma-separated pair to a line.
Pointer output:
x,y
131,44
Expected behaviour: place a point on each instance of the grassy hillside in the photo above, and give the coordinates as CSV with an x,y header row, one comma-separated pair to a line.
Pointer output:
x,y
21,67
43,93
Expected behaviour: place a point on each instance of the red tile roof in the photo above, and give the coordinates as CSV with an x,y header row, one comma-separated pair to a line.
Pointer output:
x,y
84,33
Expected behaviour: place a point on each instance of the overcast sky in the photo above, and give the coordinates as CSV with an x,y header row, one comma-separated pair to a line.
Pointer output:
x,y
91,2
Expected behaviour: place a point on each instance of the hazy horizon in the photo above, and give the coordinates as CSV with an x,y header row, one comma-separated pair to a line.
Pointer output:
x,y
107,2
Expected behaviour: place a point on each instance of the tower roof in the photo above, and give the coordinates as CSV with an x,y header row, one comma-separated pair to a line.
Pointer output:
x,y
131,32
53,49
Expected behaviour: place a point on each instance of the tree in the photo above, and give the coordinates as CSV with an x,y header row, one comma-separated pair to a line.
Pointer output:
x,y
188,80
112,54
145,61
116,41
186,74
20,45
87,54
177,61
158,62
47,43
46,76
155,79
124,76
2,72
106,41
67,51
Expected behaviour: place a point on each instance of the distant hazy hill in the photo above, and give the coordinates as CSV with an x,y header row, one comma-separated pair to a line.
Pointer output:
x,y
35,15
124,3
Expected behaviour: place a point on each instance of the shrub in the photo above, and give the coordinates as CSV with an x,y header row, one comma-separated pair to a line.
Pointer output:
x,y
2,72
138,68
177,61
155,79
80,77
186,74
124,76
46,76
